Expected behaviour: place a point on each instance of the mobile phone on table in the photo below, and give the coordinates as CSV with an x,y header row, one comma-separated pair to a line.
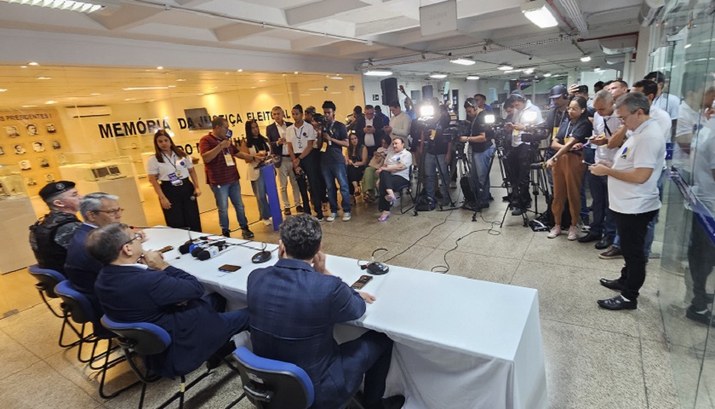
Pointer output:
x,y
229,268
361,282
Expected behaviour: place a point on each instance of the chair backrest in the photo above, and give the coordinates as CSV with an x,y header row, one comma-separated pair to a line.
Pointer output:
x,y
273,384
47,279
144,338
76,303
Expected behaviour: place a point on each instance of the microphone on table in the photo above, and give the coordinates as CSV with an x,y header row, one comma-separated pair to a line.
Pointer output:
x,y
206,251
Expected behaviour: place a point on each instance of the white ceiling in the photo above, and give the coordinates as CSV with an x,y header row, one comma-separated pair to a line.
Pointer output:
x,y
282,36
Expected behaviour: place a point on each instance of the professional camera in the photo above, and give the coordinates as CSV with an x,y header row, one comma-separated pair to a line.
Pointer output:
x,y
536,133
320,119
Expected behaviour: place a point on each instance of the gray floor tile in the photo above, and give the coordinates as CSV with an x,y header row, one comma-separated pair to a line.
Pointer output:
x,y
588,368
36,329
477,266
40,386
660,387
15,357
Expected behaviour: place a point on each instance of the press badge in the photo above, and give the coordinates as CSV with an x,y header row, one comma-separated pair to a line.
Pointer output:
x,y
556,131
229,159
174,179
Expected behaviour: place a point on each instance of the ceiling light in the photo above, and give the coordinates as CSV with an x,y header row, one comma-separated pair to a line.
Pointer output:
x,y
23,66
586,58
3,89
687,46
44,78
336,77
463,61
69,5
538,12
180,80
505,67
33,63
548,74
529,71
240,70
29,106
597,69
160,68
472,77
143,88
438,76
295,72
50,102
95,94
377,73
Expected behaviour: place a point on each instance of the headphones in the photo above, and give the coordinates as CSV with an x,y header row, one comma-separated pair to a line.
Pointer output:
x,y
470,103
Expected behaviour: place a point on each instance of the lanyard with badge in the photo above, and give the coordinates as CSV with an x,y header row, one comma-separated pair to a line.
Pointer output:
x,y
227,155
298,136
174,176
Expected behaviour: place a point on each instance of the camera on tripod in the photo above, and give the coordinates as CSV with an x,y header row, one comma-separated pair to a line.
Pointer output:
x,y
536,133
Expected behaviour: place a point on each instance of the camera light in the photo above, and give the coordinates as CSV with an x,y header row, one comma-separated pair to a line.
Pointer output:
x,y
426,111
472,77
489,119
378,73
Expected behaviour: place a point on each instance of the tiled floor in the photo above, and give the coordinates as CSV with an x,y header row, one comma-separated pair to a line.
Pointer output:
x,y
594,358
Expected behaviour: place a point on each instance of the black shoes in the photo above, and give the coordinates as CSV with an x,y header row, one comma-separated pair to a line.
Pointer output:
x,y
246,233
604,243
591,236
616,285
611,253
226,233
617,303
701,317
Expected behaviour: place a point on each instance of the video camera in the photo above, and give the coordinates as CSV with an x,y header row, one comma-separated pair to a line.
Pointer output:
x,y
536,133
320,119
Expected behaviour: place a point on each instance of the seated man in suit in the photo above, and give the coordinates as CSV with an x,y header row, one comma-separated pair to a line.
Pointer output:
x,y
293,307
139,286
97,209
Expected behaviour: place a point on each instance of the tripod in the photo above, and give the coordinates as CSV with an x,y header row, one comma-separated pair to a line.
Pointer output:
x,y
462,169
539,185
422,176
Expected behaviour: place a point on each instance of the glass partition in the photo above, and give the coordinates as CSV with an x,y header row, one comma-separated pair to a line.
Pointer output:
x,y
683,51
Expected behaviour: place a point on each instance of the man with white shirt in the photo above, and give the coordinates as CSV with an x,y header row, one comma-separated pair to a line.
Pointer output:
x,y
605,125
662,100
276,133
399,123
633,195
301,137
521,155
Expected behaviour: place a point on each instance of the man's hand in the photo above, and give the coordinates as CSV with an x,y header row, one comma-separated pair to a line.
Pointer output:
x,y
369,129
387,129
319,263
599,140
577,146
154,260
368,298
225,144
599,169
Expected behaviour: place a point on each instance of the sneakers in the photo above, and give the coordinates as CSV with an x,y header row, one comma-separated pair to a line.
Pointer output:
x,y
331,217
573,233
554,233
347,216
246,233
704,317
267,221
611,253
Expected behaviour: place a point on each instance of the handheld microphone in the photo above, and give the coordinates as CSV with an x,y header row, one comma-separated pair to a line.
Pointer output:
x,y
207,253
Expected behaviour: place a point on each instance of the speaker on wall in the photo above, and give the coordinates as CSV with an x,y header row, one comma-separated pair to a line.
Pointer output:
x,y
427,92
389,90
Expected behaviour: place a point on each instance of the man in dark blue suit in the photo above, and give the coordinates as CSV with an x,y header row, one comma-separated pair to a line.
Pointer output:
x,y
139,286
293,307
97,209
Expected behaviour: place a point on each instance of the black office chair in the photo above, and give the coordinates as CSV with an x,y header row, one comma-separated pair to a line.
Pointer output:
x,y
78,307
144,339
271,384
47,279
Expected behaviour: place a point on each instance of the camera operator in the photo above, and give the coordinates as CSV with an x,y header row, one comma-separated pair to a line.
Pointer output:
x,y
482,149
436,149
521,155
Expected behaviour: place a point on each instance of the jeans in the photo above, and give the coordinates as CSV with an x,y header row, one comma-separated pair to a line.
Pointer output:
x,y
589,155
632,229
434,164
519,163
603,223
259,189
229,191
285,173
332,171
481,165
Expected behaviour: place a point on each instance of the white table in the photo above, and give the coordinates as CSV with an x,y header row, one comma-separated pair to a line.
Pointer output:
x,y
459,343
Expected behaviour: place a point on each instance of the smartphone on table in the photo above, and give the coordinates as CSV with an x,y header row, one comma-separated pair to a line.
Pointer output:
x,y
361,282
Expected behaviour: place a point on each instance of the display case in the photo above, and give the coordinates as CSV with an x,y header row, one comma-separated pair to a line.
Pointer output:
x,y
113,175
16,215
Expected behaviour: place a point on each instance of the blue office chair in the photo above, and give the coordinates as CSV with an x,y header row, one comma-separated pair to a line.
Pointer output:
x,y
144,339
77,306
271,384
47,279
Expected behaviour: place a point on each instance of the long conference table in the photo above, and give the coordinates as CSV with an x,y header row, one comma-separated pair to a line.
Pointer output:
x,y
459,343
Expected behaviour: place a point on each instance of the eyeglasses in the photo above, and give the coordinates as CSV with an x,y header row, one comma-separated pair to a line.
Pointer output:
x,y
111,211
137,236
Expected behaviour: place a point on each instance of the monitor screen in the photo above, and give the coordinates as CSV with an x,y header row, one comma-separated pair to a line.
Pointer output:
x,y
100,172
114,170
197,118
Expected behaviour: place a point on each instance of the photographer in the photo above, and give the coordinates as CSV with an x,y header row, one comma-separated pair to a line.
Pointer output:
x,y
334,137
482,149
435,147
522,154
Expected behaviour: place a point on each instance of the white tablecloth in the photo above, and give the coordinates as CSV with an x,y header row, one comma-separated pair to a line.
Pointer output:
x,y
459,343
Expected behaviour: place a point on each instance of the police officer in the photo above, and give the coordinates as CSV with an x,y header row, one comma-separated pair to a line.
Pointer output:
x,y
52,234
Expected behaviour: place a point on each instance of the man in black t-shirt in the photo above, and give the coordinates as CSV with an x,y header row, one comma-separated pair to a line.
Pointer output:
x,y
334,137
436,148
481,152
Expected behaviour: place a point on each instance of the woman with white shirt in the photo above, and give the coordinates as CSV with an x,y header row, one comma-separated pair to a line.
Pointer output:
x,y
394,174
169,171
257,145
